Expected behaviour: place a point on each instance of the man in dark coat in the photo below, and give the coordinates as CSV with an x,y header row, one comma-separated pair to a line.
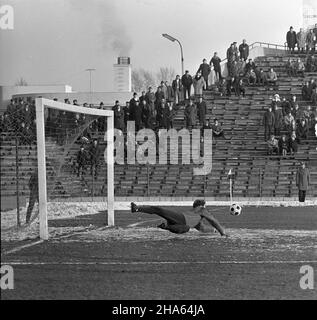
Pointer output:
x,y
202,111
204,69
187,82
291,38
150,99
34,194
137,116
302,181
81,161
268,122
167,116
118,117
215,61
231,58
132,105
244,50
278,120
190,114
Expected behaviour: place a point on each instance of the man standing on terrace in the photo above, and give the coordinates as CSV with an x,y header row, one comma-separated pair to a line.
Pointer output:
x,y
291,39
204,69
244,50
302,181
215,60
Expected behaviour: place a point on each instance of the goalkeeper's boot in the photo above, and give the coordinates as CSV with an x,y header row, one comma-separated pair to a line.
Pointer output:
x,y
162,226
134,207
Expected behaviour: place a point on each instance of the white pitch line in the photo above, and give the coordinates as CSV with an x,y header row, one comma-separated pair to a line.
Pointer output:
x,y
83,263
17,249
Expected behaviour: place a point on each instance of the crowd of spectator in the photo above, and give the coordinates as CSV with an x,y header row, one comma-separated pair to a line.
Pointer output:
x,y
286,124
305,41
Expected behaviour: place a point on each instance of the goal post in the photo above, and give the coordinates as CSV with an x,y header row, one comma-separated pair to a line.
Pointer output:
x,y
40,104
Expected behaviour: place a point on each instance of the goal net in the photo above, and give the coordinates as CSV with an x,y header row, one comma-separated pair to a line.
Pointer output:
x,y
54,155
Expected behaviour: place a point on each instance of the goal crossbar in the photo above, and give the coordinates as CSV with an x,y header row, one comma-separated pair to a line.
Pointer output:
x,y
40,104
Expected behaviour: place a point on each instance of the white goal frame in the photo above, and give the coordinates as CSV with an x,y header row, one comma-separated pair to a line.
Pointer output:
x,y
40,103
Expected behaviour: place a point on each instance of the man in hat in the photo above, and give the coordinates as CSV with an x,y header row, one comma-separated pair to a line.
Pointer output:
x,y
302,181
176,221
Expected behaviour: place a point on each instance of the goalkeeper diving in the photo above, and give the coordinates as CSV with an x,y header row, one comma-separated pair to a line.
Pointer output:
x,y
176,221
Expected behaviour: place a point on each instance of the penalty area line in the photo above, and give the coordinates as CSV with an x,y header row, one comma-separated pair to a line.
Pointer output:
x,y
111,263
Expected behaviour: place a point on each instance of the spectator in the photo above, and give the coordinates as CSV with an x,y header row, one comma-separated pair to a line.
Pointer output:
x,y
199,85
159,112
169,92
271,77
94,153
132,105
119,116
262,78
302,130
231,86
268,122
305,91
278,120
299,68
292,144
215,61
126,113
34,195
291,39
251,77
301,40
240,89
244,50
311,63
146,113
159,96
190,114
204,69
293,102
137,116
314,97
231,58
222,85
289,123
217,130
150,99
312,86
81,161
290,67
187,82
296,112
143,97
164,89
272,145
168,116
202,111
283,145
250,66
177,89
276,101
302,181
310,41
309,117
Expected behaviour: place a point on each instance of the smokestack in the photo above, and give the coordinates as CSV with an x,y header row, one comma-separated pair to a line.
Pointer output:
x,y
122,75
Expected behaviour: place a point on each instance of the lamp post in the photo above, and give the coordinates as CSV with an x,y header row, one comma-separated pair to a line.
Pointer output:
x,y
90,82
167,36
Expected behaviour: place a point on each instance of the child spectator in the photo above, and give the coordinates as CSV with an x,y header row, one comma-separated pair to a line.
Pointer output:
x,y
272,144
293,146
289,122
283,145
217,130
302,130
251,77
262,78
299,68
272,77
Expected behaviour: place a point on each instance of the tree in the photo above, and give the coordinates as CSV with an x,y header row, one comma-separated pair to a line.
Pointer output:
x,y
166,74
142,80
21,82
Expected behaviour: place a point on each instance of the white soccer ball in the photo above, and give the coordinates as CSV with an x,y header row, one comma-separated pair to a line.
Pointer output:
x,y
235,210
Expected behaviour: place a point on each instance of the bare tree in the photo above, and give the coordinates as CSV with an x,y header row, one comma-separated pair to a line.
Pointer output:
x,y
21,82
142,79
166,74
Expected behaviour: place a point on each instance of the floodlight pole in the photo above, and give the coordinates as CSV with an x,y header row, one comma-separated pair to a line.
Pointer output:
x,y
168,37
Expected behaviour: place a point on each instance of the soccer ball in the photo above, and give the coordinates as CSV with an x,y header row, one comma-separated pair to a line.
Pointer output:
x,y
235,210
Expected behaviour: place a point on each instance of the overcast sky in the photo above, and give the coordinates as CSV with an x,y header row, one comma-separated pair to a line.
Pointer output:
x,y
54,41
